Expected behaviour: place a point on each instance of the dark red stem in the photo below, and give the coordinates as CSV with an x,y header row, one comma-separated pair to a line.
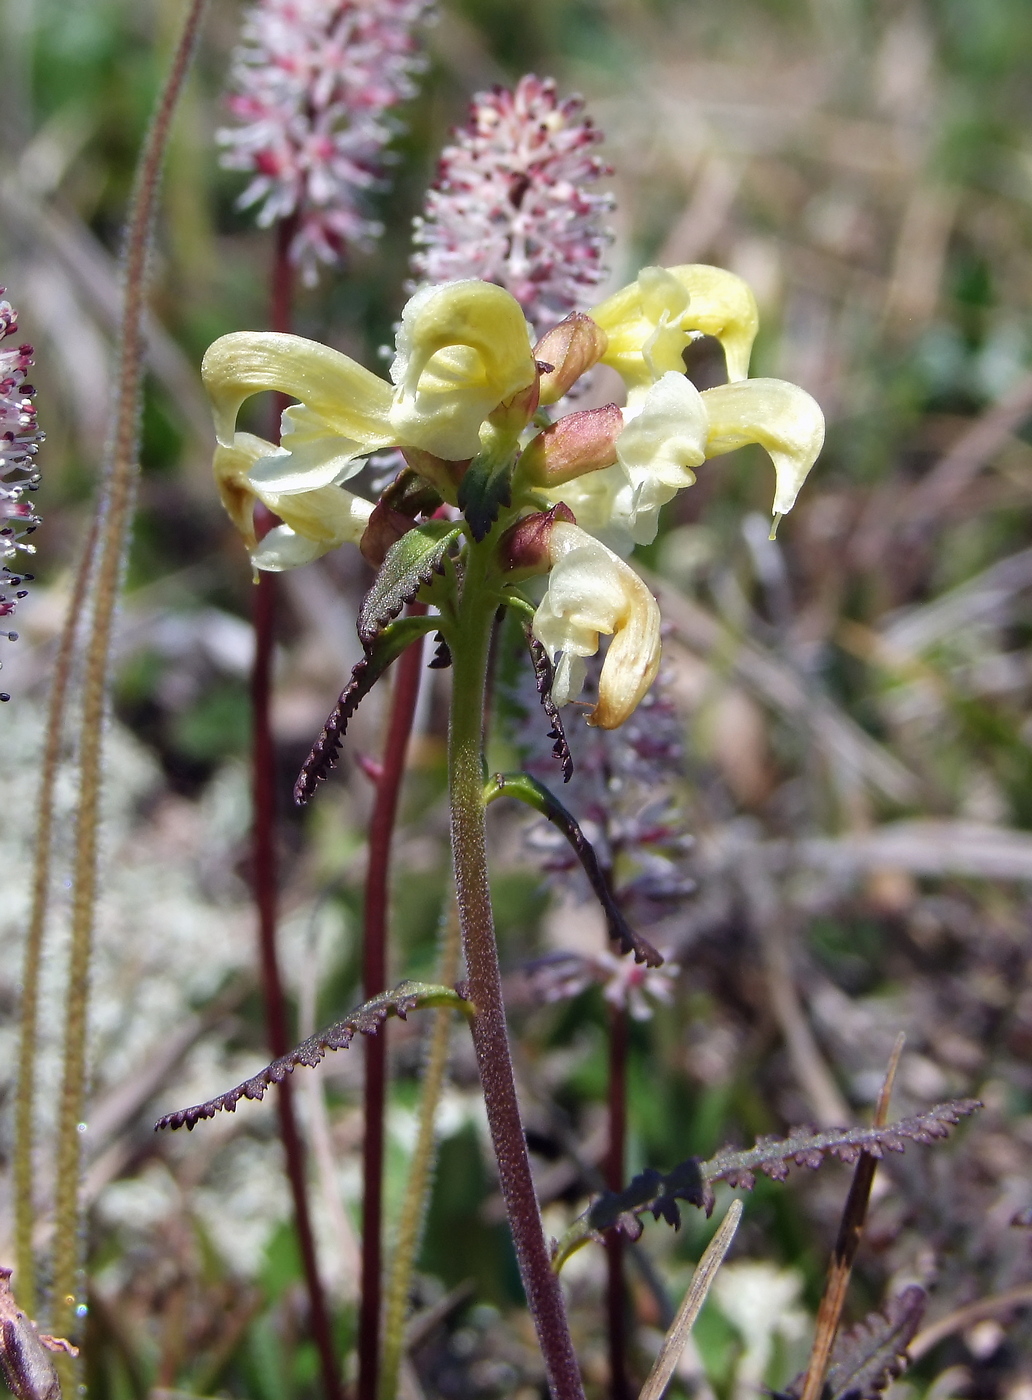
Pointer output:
x,y
616,1296
374,980
266,888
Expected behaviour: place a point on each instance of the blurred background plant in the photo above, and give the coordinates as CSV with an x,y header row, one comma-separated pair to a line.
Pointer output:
x,y
853,704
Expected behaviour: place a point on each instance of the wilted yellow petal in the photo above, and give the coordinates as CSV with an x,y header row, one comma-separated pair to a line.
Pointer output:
x,y
351,401
722,305
781,417
231,466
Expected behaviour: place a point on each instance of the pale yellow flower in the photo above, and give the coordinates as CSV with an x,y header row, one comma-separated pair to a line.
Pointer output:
x,y
314,521
463,350
675,428
591,591
650,323
781,417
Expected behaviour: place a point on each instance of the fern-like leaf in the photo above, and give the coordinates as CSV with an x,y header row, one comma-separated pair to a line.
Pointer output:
x,y
527,789
692,1180
365,1020
386,648
409,564
543,678
806,1148
871,1355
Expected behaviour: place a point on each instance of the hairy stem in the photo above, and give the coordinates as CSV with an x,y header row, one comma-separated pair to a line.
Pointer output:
x,y
470,645
25,1107
417,1189
115,513
374,979
266,884
616,1299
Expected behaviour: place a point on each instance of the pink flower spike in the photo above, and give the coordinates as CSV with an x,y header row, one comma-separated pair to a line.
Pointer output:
x,y
314,82
20,438
510,204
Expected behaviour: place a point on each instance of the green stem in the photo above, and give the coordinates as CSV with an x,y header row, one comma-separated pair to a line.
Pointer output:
x,y
470,642
410,1225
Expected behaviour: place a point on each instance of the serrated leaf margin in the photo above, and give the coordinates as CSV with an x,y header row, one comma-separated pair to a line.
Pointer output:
x,y
365,1020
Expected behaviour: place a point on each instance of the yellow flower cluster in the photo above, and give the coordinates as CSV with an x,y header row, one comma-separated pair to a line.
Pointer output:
x,y
466,383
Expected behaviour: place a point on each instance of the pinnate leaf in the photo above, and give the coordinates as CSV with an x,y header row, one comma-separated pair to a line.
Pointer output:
x,y
871,1355
385,648
527,789
409,564
692,1180
365,1020
805,1148
543,678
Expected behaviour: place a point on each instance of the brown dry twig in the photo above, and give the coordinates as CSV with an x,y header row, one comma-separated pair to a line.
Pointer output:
x,y
851,1229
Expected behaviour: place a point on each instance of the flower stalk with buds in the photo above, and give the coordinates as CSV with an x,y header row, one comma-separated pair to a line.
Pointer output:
x,y
494,493
511,205
314,87
20,439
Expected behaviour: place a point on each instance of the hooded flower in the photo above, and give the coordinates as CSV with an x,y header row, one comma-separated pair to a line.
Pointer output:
x,y
651,322
312,522
463,349
591,591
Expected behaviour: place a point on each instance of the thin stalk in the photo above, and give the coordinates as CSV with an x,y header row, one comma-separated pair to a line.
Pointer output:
x,y
266,888
374,979
616,1294
691,1306
417,1188
265,883
470,645
25,1107
115,513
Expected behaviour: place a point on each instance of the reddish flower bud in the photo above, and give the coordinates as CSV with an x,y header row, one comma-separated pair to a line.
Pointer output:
x,y
386,527
441,473
579,443
571,348
395,513
514,415
523,549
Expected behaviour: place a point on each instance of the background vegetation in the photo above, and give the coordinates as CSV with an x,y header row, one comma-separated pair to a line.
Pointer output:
x,y
854,701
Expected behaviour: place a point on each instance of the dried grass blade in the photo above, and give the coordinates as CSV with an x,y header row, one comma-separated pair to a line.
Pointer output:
x,y
702,1281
